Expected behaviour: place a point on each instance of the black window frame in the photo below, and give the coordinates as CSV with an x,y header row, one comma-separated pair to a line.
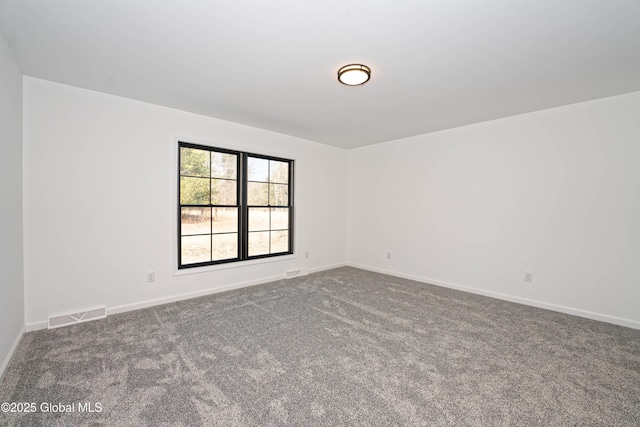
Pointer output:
x,y
242,205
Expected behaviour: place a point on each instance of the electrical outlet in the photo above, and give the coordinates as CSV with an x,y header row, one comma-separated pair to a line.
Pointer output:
x,y
388,255
528,276
151,276
306,254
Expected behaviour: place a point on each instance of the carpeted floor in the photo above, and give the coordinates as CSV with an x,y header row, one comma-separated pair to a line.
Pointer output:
x,y
340,347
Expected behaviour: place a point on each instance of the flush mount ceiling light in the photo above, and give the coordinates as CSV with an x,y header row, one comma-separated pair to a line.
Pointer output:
x,y
354,74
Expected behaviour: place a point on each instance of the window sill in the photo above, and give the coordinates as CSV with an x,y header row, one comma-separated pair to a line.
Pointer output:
x,y
237,264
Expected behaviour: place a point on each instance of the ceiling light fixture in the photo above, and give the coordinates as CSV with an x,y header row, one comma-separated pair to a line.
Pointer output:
x,y
354,74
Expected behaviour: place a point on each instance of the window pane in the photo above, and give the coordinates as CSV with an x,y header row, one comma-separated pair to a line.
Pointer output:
x,y
279,219
279,241
257,169
279,172
258,219
195,221
196,249
225,246
225,220
194,162
258,243
194,191
257,194
223,192
224,165
279,194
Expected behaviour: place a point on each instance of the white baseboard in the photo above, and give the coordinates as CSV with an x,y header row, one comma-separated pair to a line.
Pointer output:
x,y
506,297
328,267
179,297
36,326
189,295
12,350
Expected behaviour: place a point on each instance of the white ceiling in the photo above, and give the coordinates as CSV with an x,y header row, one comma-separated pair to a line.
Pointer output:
x,y
436,64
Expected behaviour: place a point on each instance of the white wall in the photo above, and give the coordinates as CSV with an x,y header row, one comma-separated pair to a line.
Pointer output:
x,y
11,277
99,200
555,192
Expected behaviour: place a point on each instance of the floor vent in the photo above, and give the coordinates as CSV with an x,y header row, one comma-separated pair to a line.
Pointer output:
x,y
72,318
295,273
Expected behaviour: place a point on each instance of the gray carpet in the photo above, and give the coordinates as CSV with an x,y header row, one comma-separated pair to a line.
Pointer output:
x,y
341,347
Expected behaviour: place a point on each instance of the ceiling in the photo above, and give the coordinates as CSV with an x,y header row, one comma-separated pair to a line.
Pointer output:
x,y
436,64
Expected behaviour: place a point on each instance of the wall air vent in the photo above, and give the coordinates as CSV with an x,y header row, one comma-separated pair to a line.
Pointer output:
x,y
60,320
295,273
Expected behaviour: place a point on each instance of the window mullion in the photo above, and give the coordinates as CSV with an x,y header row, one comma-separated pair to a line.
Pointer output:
x,y
244,223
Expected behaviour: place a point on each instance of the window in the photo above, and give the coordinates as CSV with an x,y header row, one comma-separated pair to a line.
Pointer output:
x,y
233,206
